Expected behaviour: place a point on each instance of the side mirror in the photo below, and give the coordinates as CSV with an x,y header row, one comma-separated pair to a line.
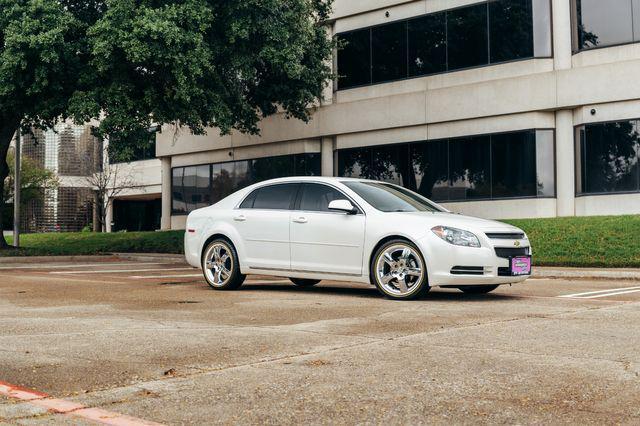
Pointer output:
x,y
344,206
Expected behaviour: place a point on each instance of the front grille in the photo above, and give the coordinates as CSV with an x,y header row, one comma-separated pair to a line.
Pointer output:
x,y
505,235
508,252
467,270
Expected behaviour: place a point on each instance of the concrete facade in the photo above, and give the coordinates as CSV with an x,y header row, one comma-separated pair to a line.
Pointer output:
x,y
561,92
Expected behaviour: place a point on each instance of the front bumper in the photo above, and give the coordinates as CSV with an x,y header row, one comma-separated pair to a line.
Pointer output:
x,y
449,265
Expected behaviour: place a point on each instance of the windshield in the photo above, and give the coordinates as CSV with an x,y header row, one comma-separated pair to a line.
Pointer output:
x,y
391,198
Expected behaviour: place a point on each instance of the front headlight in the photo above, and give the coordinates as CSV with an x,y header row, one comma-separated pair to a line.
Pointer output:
x,y
457,237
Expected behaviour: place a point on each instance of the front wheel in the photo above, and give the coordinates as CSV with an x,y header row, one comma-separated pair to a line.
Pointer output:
x,y
398,270
221,267
478,289
301,282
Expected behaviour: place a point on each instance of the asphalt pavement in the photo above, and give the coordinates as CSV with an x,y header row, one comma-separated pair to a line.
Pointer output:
x,y
120,342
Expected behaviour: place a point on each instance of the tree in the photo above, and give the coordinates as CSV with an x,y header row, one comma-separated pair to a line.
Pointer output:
x,y
194,63
108,183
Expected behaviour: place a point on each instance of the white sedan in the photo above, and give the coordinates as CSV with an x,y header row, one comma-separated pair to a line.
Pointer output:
x,y
314,228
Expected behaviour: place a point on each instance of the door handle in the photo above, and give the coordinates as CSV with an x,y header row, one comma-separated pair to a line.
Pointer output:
x,y
240,218
300,219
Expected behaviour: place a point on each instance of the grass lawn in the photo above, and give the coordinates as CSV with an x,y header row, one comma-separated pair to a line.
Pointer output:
x,y
607,241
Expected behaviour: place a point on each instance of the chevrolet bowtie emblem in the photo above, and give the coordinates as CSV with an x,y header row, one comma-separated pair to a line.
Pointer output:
x,y
517,243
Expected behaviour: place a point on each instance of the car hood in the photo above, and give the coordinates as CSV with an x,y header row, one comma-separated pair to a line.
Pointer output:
x,y
459,221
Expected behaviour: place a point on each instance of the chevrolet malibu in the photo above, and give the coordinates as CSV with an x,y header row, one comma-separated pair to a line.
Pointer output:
x,y
311,229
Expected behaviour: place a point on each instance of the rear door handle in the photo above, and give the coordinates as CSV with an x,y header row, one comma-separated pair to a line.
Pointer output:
x,y
300,219
240,218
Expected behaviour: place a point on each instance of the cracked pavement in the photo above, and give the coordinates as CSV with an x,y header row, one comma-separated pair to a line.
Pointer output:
x,y
173,351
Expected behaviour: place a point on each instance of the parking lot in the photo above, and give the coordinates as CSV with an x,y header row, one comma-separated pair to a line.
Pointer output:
x,y
125,342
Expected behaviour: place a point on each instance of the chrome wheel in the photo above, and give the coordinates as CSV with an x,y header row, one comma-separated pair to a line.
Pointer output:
x,y
218,264
399,270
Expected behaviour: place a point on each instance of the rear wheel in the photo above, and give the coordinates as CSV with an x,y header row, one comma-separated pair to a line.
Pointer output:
x,y
478,289
220,265
302,282
398,270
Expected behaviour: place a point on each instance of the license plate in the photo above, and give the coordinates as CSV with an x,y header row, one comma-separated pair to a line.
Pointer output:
x,y
521,265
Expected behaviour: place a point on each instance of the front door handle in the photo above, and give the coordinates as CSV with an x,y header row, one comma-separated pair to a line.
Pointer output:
x,y
240,218
300,219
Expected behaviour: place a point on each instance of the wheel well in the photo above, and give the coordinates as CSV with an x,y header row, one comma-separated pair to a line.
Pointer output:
x,y
214,237
384,241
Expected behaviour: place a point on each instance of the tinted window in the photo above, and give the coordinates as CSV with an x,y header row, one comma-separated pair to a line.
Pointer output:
x,y
316,197
390,198
354,59
271,168
511,29
545,163
609,157
430,161
223,180
356,163
467,37
177,198
389,52
275,197
428,44
602,23
470,169
513,169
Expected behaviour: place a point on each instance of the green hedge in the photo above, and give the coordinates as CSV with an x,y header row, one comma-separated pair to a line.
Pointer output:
x,y
609,241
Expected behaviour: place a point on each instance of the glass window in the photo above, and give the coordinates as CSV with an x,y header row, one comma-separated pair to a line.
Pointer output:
x,y
389,52
355,163
542,44
470,168
177,199
306,165
390,198
271,168
513,166
354,59
511,30
430,161
428,44
604,23
390,163
223,180
467,37
275,197
545,163
609,157
316,197
247,203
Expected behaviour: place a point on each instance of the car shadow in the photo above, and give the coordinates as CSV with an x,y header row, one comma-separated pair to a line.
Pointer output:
x,y
440,295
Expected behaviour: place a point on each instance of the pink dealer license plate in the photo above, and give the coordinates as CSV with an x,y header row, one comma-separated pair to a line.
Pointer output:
x,y
521,265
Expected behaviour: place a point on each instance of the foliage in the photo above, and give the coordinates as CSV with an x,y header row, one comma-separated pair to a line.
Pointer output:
x,y
130,63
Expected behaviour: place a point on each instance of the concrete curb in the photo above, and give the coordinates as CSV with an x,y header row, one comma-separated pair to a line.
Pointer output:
x,y
134,257
587,273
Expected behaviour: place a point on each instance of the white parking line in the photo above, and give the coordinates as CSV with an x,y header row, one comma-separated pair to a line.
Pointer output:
x,y
87,265
113,271
587,295
610,294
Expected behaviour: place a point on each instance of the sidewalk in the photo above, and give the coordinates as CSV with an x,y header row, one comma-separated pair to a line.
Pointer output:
x,y
587,273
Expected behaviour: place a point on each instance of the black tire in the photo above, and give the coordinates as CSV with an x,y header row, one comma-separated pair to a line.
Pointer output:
x,y
302,282
478,289
418,288
218,281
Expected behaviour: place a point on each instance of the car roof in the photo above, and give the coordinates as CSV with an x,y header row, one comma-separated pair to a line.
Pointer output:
x,y
327,179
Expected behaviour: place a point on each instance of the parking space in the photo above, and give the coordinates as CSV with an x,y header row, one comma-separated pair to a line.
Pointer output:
x,y
145,341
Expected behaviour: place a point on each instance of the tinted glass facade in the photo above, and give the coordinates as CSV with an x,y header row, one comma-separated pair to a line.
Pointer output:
x,y
606,23
194,187
465,37
506,165
608,157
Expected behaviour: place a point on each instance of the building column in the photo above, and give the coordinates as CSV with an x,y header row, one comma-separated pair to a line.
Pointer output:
x,y
109,217
565,164
165,220
562,27
326,156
